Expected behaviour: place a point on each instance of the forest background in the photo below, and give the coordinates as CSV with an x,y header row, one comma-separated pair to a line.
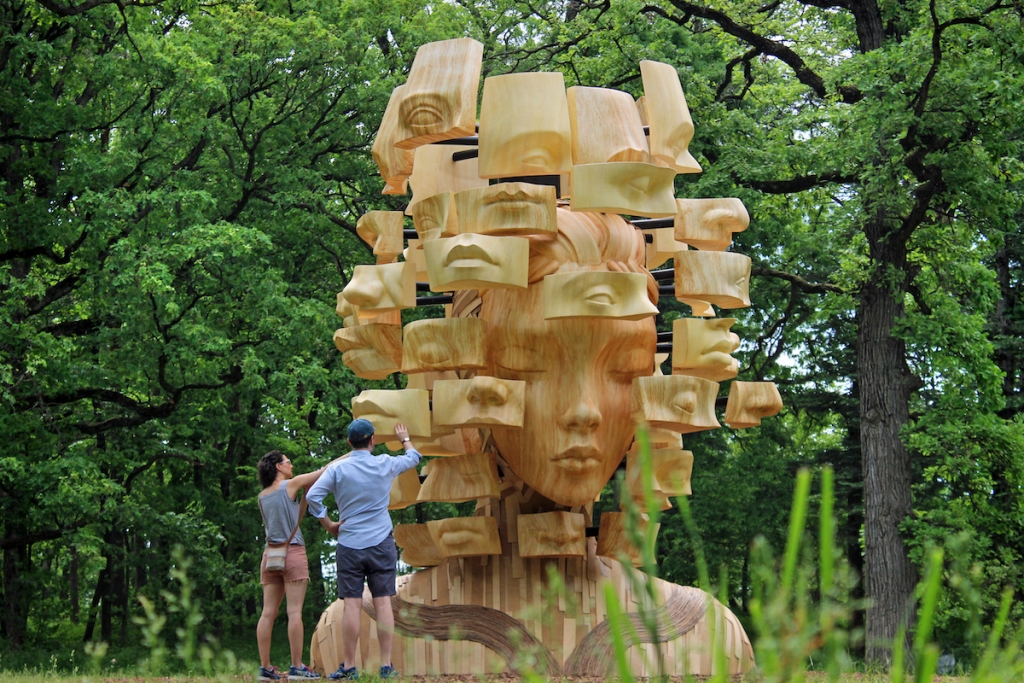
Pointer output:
x,y
179,186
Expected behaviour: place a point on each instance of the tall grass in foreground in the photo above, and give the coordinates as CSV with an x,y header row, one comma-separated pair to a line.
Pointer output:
x,y
800,608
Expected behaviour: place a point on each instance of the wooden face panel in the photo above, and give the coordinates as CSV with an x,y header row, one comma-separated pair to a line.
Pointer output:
x,y
659,438
445,344
597,294
668,116
663,247
718,277
352,317
524,126
605,126
435,217
385,408
395,164
682,404
425,380
382,288
670,471
404,490
578,374
480,402
382,230
447,446
418,549
749,402
465,536
438,101
552,534
370,351
703,348
709,224
626,187
612,540
477,262
462,478
435,172
507,209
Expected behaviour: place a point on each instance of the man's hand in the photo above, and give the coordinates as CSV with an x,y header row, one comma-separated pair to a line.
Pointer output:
x,y
333,528
401,432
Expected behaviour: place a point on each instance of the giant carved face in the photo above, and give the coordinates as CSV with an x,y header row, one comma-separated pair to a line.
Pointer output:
x,y
578,371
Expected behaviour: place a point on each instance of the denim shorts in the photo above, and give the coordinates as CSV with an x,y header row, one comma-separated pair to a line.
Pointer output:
x,y
374,565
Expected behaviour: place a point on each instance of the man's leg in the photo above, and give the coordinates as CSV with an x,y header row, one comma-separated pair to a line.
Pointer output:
x,y
385,627
350,629
296,592
272,594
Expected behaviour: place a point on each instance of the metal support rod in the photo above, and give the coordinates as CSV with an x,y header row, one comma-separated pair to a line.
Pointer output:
x,y
663,348
434,300
465,154
664,275
468,140
651,223
591,531
422,286
664,336
667,289
410,234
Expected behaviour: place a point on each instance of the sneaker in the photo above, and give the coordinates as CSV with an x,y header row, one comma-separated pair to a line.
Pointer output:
x,y
267,675
387,672
343,674
302,671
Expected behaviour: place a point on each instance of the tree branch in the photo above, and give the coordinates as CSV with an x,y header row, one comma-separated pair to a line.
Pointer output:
x,y
797,281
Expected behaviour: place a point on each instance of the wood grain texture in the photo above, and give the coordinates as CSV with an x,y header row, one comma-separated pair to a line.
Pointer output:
x,y
480,402
465,537
703,348
438,101
384,408
676,402
552,534
425,380
382,288
435,217
597,294
631,188
418,549
405,489
524,126
382,231
507,209
445,446
663,247
670,473
477,262
413,254
749,402
371,351
436,172
605,126
394,164
671,127
709,224
718,277
460,478
444,344
352,317
613,541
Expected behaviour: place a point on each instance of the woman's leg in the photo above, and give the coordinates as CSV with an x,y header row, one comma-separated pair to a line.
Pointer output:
x,y
296,592
272,594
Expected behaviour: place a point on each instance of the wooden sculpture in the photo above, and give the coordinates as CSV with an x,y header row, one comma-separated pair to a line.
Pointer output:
x,y
670,475
659,438
701,309
605,126
405,490
703,348
444,446
425,380
708,224
659,358
385,408
552,534
462,478
663,247
718,277
507,209
435,217
668,116
641,109
395,164
414,255
631,188
524,126
676,402
592,294
435,172
477,262
383,288
480,402
613,541
465,536
444,344
382,230
418,549
438,101
371,351
749,402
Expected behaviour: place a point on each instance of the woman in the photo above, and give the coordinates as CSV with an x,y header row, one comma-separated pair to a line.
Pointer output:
x,y
279,507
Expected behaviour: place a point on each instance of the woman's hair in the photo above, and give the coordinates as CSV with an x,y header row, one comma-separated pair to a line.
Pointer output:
x,y
267,467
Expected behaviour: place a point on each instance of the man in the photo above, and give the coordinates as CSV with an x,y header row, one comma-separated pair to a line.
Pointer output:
x,y
361,485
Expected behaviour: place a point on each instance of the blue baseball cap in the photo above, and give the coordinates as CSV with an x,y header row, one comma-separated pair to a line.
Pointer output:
x,y
360,430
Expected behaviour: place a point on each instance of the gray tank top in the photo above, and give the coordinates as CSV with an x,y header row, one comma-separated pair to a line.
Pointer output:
x,y
282,514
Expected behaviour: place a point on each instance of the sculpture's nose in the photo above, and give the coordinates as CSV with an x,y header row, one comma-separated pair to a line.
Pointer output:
x,y
487,391
582,417
364,291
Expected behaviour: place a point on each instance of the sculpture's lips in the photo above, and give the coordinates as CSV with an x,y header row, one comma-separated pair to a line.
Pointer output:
x,y
722,346
468,255
458,537
513,198
577,459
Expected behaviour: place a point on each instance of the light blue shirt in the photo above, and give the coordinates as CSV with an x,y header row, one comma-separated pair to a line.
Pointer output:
x,y
361,485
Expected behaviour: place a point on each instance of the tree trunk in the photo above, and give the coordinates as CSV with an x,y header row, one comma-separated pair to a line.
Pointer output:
x,y
16,592
885,384
73,584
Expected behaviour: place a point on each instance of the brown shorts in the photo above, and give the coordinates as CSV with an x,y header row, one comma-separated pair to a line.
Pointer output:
x,y
296,567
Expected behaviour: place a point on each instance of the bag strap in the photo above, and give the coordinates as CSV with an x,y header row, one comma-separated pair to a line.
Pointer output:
x,y
302,513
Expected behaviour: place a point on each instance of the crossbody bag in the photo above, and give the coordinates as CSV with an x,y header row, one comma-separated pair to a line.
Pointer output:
x,y
277,553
